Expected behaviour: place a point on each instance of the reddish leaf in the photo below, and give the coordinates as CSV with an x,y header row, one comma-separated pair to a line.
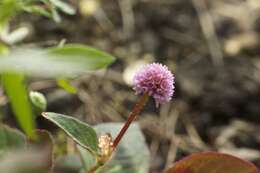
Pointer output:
x,y
212,162
44,142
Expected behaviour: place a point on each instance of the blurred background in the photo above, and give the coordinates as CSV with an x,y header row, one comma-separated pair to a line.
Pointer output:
x,y
211,46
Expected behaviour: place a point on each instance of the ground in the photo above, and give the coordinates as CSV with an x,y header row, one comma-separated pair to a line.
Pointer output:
x,y
212,47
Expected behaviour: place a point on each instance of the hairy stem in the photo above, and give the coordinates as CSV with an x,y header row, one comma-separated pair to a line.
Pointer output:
x,y
136,110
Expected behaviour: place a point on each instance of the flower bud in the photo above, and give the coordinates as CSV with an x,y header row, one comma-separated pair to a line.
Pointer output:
x,y
38,100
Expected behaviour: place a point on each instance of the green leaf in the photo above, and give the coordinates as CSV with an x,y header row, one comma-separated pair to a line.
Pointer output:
x,y
8,8
64,83
69,60
18,96
212,162
80,132
37,10
55,15
10,139
66,8
132,154
90,58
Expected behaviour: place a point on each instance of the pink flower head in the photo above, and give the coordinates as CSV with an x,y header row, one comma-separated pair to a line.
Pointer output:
x,y
156,80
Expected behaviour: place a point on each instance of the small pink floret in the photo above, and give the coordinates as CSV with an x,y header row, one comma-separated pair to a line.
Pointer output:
x,y
156,80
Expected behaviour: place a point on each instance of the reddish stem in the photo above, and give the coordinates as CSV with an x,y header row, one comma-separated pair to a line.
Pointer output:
x,y
136,110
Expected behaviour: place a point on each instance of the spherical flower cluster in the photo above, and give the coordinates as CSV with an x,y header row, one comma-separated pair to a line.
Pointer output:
x,y
156,80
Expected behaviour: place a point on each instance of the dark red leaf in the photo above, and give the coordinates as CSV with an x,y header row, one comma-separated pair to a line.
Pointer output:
x,y
212,162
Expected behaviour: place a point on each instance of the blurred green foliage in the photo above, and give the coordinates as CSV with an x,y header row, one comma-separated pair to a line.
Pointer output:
x,y
65,84
70,60
57,62
47,8
8,8
17,93
10,139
